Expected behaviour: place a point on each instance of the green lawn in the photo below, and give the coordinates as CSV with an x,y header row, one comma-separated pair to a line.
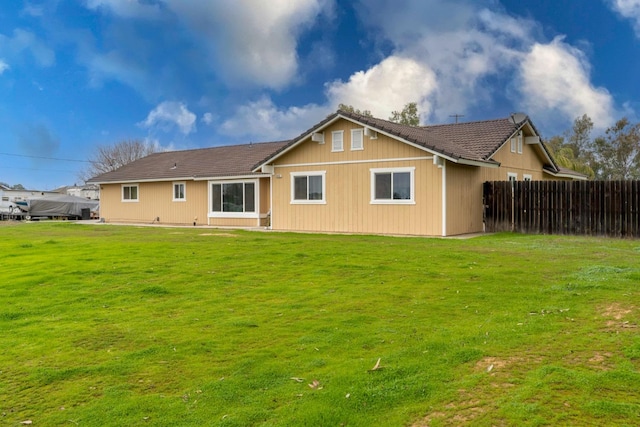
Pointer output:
x,y
106,325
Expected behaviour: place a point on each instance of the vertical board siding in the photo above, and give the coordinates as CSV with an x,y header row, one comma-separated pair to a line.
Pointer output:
x,y
594,208
156,201
348,207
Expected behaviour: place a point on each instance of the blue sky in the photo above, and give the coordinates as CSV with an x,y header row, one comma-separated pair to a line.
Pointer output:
x,y
76,74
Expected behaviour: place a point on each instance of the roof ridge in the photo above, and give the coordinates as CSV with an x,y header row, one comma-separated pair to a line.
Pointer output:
x,y
244,144
466,123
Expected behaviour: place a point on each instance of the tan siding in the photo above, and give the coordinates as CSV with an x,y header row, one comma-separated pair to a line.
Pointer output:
x,y
155,201
348,188
464,199
529,162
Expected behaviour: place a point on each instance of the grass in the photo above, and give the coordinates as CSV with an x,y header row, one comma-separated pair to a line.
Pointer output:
x,y
107,326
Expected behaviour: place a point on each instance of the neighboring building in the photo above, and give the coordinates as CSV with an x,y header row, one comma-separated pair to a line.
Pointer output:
x,y
91,191
349,173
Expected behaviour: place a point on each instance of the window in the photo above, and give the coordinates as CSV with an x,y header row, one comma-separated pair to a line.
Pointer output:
x,y
130,193
520,143
233,197
511,176
179,194
393,186
308,187
336,140
356,139
516,143
526,177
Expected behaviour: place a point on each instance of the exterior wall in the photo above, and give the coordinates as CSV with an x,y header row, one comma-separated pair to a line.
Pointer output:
x,y
464,185
348,206
155,200
265,202
530,162
464,199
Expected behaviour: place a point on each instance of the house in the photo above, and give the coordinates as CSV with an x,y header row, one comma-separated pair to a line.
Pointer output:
x,y
349,173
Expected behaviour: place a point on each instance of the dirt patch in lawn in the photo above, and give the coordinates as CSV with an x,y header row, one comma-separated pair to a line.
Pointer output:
x,y
470,404
617,316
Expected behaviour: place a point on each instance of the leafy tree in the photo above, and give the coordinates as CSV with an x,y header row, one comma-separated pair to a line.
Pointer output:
x,y
408,116
108,158
617,154
574,149
351,109
580,138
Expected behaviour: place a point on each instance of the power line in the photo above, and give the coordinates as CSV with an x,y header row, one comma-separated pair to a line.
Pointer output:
x,y
45,158
35,169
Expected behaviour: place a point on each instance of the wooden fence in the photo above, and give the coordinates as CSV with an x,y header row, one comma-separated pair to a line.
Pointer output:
x,y
595,208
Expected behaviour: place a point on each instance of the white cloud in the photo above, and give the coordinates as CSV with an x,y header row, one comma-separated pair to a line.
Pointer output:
x,y
126,8
247,42
24,41
208,118
264,121
3,66
169,114
629,9
385,87
251,42
555,80
461,42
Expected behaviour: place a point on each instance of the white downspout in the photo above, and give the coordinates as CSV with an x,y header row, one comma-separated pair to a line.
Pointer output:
x,y
256,200
270,226
444,197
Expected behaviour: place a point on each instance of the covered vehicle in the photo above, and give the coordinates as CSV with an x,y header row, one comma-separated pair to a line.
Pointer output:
x,y
61,205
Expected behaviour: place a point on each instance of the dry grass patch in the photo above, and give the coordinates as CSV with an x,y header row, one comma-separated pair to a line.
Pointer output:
x,y
618,315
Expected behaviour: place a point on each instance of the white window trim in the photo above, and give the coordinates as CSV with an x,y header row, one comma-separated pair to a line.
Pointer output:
x,y
410,201
361,132
184,187
527,177
333,141
513,145
256,198
512,175
323,201
136,200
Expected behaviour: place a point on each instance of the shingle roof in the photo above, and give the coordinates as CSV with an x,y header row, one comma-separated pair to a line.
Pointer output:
x,y
482,138
231,160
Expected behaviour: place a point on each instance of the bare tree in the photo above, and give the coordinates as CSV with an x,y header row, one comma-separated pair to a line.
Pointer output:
x,y
108,158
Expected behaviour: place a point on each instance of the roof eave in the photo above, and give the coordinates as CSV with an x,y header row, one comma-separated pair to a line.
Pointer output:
x,y
480,163
575,176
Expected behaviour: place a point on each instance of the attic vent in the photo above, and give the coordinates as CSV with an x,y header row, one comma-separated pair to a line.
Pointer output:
x,y
372,134
318,137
